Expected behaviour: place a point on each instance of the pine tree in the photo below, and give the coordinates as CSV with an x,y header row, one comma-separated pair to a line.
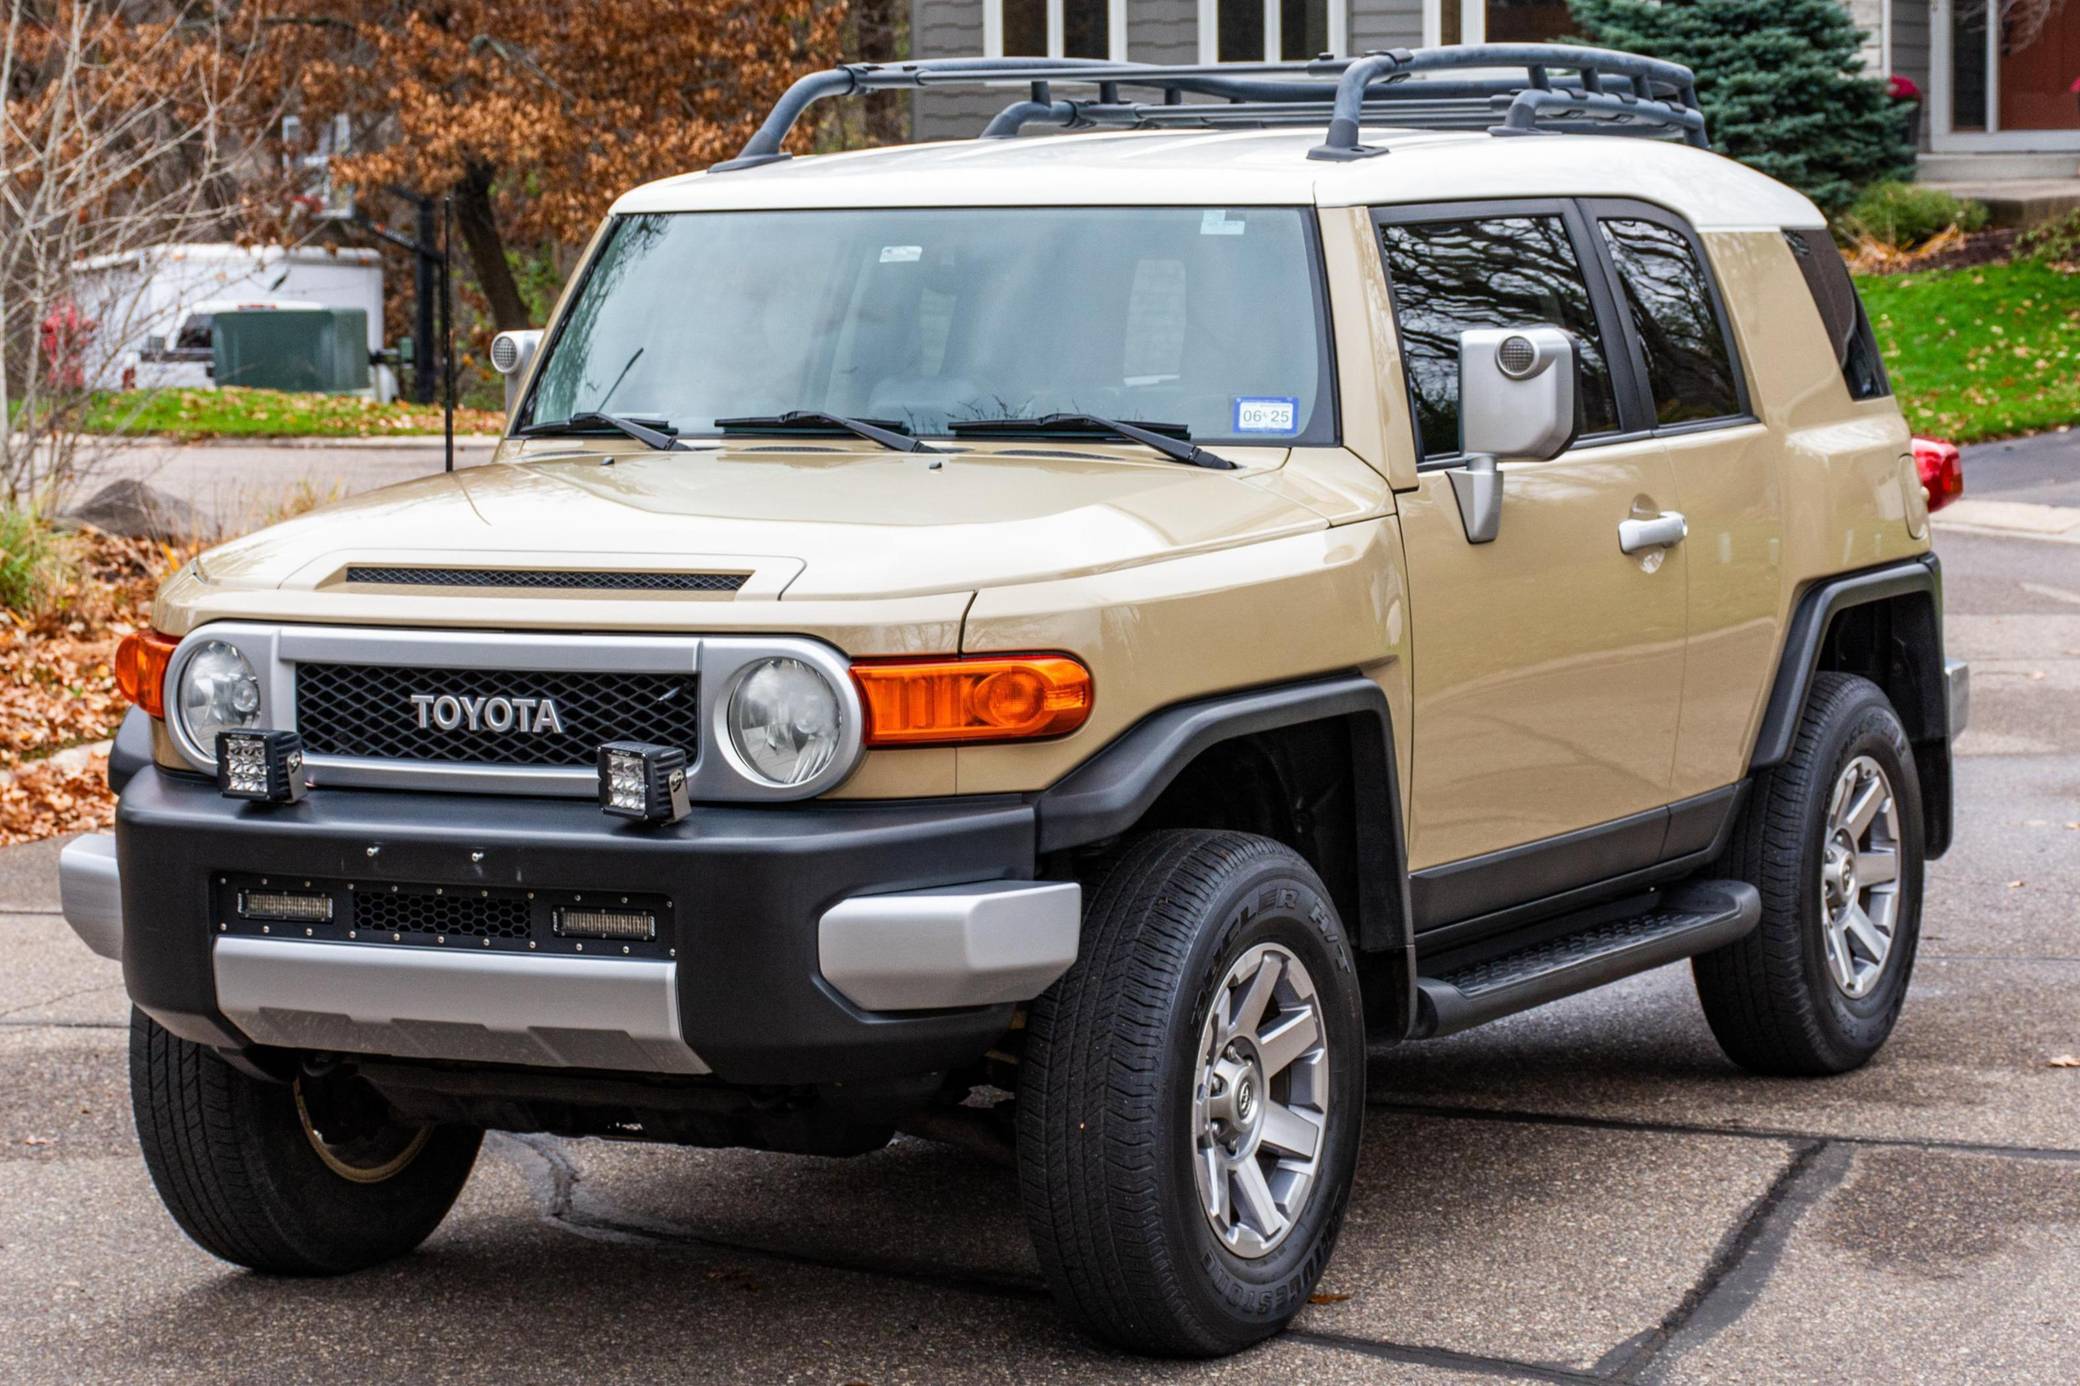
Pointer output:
x,y
1782,84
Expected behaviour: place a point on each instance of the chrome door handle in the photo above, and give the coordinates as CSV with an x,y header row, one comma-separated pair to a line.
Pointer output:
x,y
1665,530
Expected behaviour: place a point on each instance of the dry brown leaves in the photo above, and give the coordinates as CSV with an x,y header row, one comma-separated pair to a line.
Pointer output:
x,y
58,689
50,798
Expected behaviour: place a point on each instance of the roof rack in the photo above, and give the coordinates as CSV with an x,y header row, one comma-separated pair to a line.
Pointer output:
x,y
1600,92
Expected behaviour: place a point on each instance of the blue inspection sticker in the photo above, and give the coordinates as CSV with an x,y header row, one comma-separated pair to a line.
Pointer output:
x,y
1267,414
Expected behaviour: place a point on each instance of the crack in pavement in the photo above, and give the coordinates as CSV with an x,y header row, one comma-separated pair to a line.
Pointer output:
x,y
1449,1359
555,1179
1447,1111
62,996
1739,1269
34,1024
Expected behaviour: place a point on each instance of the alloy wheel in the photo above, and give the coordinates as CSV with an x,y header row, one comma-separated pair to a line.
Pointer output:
x,y
1859,876
1261,1105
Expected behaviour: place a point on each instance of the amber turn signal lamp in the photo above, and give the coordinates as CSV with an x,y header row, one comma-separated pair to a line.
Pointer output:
x,y
141,662
950,701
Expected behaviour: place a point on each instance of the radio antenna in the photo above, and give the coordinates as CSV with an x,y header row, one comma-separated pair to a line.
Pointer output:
x,y
447,333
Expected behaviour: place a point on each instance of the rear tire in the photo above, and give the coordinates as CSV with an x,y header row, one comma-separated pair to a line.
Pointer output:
x,y
239,1162
1164,1111
1816,989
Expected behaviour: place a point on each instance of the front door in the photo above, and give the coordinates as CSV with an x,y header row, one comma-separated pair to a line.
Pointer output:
x,y
1547,665
2003,76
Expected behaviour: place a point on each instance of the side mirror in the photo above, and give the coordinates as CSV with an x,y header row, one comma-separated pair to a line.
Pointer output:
x,y
510,354
1518,394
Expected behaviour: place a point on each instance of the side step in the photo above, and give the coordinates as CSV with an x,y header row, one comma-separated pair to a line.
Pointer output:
x,y
1693,918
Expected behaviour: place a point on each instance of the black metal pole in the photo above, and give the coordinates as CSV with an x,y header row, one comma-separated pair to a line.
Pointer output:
x,y
424,273
447,333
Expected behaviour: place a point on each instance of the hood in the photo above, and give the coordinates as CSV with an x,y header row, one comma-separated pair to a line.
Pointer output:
x,y
837,521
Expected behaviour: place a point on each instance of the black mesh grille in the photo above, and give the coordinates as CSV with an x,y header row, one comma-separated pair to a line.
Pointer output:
x,y
363,710
419,910
569,581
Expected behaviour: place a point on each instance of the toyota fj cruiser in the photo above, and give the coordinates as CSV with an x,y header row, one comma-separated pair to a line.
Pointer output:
x,y
1077,636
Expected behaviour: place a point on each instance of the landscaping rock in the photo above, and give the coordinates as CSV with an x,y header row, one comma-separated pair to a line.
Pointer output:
x,y
135,510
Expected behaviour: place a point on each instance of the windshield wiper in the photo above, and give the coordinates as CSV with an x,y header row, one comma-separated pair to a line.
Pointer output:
x,y
1171,440
886,432
656,433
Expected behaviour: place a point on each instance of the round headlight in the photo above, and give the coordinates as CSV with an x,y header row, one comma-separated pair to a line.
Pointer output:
x,y
785,721
218,691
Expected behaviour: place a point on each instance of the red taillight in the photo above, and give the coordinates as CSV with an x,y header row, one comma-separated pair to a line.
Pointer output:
x,y
1942,471
141,662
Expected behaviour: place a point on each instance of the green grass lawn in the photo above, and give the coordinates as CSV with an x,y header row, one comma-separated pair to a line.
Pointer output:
x,y
1987,352
234,413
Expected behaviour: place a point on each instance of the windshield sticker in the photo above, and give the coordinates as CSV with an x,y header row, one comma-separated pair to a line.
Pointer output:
x,y
1216,223
1272,414
901,254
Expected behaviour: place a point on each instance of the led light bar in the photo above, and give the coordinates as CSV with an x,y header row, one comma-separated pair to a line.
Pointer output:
x,y
624,926
264,766
285,906
644,782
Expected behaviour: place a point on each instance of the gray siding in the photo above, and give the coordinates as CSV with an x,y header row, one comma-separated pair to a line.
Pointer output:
x,y
1163,31
950,29
1158,31
1386,24
1869,17
1910,52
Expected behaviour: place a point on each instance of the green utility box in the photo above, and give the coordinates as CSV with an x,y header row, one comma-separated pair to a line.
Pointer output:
x,y
324,350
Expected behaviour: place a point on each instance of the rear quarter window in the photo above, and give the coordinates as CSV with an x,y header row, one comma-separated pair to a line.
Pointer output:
x,y
1849,333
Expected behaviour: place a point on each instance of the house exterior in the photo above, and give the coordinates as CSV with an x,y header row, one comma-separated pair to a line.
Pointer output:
x,y
1997,97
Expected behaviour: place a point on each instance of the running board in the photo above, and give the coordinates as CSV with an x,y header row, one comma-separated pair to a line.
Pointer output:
x,y
1692,918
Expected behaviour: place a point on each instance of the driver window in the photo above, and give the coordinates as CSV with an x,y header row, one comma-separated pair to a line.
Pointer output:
x,y
1514,271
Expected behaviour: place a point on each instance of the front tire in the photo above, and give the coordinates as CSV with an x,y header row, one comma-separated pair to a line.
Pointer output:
x,y
309,1177
1833,841
1191,1097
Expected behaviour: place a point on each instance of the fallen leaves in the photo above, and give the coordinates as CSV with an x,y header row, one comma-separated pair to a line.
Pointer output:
x,y
1324,1297
2066,1061
50,799
57,689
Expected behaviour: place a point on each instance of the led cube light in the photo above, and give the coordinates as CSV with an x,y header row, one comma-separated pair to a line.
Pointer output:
x,y
644,782
265,766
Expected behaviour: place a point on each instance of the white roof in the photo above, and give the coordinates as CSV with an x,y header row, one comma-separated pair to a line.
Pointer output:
x,y
227,250
1249,167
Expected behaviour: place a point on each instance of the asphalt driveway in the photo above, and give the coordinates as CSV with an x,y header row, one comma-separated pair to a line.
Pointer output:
x,y
1585,1192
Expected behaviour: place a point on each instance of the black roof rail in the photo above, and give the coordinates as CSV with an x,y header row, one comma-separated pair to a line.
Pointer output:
x,y
1600,92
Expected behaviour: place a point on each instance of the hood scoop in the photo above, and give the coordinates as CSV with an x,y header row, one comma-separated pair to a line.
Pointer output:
x,y
544,579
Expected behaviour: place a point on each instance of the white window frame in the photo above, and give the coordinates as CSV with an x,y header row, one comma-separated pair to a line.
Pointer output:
x,y
1944,137
1274,28
1473,21
1115,30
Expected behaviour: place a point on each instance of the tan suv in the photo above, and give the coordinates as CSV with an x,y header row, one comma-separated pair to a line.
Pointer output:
x,y
1074,637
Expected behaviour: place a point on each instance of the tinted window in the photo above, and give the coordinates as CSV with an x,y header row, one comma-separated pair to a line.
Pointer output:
x,y
1848,326
1689,368
1449,276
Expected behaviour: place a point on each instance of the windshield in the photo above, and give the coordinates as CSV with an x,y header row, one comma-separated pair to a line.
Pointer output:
x,y
1205,317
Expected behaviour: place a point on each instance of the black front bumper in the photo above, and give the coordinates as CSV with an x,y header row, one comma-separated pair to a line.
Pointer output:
x,y
749,886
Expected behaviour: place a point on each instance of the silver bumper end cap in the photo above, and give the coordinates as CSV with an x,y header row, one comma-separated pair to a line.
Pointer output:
x,y
604,1013
967,945
90,892
1957,679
